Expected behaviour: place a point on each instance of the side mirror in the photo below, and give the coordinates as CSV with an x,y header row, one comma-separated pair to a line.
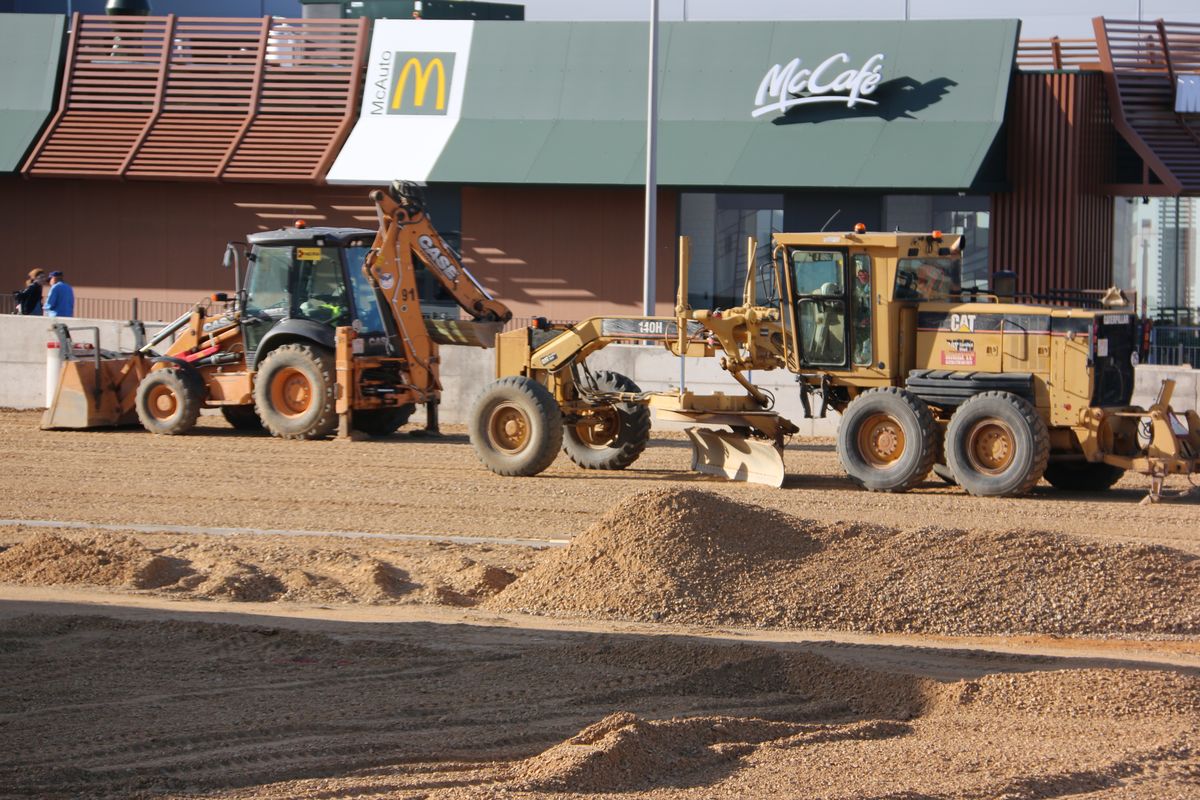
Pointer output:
x,y
231,256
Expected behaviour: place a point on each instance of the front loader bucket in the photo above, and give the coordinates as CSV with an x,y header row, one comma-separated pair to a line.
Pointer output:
x,y
737,458
467,333
93,394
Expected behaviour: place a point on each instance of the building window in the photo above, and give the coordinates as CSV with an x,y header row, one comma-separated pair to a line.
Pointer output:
x,y
1156,256
719,225
968,215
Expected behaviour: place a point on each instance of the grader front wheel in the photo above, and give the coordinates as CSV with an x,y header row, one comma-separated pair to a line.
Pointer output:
x,y
613,436
516,427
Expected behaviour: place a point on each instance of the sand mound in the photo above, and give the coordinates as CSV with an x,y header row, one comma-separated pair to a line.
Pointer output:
x,y
102,560
622,751
693,557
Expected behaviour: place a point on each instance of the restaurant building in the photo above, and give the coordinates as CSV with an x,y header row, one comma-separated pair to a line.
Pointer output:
x,y
137,147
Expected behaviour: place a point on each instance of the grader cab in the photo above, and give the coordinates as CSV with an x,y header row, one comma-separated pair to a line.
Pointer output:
x,y
927,375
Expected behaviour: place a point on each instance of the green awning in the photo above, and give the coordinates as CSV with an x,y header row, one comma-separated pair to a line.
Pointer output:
x,y
30,58
564,103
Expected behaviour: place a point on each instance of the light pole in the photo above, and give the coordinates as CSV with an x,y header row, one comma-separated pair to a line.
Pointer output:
x,y
648,277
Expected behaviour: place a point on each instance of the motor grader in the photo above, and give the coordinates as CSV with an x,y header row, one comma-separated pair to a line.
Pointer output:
x,y
326,333
992,394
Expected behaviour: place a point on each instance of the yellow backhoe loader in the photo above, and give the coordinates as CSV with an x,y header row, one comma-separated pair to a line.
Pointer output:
x,y
326,333
990,393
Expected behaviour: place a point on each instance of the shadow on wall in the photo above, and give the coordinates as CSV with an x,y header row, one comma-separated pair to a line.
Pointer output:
x,y
899,98
160,240
566,253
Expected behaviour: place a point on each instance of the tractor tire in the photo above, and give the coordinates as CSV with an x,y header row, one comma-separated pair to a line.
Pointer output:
x,y
1084,476
168,401
997,445
294,392
516,427
887,440
615,435
380,422
242,418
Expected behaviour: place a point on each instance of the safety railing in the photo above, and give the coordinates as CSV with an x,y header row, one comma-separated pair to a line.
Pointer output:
x,y
1171,345
1056,53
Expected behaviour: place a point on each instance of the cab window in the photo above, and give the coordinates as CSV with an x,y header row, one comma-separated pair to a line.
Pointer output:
x,y
266,288
366,302
320,288
861,309
928,279
819,278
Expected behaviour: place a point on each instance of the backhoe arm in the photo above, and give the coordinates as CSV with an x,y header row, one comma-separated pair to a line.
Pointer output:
x,y
405,229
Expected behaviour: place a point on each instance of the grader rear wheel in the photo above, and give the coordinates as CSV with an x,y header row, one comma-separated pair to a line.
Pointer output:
x,y
887,440
516,427
997,445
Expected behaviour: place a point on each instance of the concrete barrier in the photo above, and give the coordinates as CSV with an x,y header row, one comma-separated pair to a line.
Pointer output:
x,y
466,370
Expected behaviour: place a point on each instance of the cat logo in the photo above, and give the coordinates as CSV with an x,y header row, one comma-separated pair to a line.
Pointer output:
x,y
414,88
963,322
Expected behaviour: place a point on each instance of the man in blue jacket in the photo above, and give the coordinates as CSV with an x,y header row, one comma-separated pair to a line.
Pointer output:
x,y
61,300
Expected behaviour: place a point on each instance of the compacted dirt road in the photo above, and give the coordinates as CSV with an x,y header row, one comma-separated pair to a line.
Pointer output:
x,y
697,639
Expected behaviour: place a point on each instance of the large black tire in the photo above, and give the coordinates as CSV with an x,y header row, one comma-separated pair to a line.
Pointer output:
x,y
294,392
997,445
615,435
242,418
168,400
379,422
516,427
887,440
1082,476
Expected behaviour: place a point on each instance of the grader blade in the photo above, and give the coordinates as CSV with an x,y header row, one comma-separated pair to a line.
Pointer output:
x,y
735,457
93,394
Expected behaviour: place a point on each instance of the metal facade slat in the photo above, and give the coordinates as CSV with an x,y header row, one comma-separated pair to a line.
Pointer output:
x,y
203,98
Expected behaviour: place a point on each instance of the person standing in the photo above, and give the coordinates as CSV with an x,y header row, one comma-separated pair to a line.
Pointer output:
x,y
29,299
61,300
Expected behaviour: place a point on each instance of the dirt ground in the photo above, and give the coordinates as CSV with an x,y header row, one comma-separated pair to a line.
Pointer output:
x,y
697,639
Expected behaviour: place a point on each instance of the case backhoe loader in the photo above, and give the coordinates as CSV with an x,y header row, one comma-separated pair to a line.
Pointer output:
x,y
990,393
325,333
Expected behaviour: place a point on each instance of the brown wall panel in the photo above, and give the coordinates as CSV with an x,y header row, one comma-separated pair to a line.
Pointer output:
x,y
1054,229
153,240
566,253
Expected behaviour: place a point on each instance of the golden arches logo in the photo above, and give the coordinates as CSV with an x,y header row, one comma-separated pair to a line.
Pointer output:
x,y
422,75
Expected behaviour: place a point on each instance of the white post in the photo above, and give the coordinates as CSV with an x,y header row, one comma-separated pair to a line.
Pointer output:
x,y
648,284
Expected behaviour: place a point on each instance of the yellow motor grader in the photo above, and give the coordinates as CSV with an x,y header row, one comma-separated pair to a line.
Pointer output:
x,y
989,393
326,333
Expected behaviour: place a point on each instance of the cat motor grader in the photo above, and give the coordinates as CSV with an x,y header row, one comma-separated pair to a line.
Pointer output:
x,y
326,333
990,393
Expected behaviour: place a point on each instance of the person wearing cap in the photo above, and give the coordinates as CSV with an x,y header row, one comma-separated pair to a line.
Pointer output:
x,y
29,299
61,300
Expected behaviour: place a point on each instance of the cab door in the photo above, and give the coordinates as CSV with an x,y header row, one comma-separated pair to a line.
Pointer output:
x,y
819,298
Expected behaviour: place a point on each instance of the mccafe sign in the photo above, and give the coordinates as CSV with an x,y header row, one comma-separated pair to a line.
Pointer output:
x,y
791,84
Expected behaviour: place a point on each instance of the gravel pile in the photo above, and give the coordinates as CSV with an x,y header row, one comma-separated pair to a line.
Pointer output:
x,y
693,557
252,571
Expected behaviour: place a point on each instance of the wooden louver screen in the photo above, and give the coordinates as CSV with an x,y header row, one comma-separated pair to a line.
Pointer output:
x,y
203,98
1143,60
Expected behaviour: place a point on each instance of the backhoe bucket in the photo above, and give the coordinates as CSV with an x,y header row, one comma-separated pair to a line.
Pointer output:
x,y
93,394
735,457
466,333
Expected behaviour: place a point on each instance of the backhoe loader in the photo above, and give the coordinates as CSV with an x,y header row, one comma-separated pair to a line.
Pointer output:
x,y
326,333
990,393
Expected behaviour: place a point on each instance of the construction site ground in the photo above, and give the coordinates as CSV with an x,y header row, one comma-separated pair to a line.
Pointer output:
x,y
230,615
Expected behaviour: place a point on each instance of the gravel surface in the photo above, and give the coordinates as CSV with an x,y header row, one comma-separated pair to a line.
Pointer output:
x,y
172,665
